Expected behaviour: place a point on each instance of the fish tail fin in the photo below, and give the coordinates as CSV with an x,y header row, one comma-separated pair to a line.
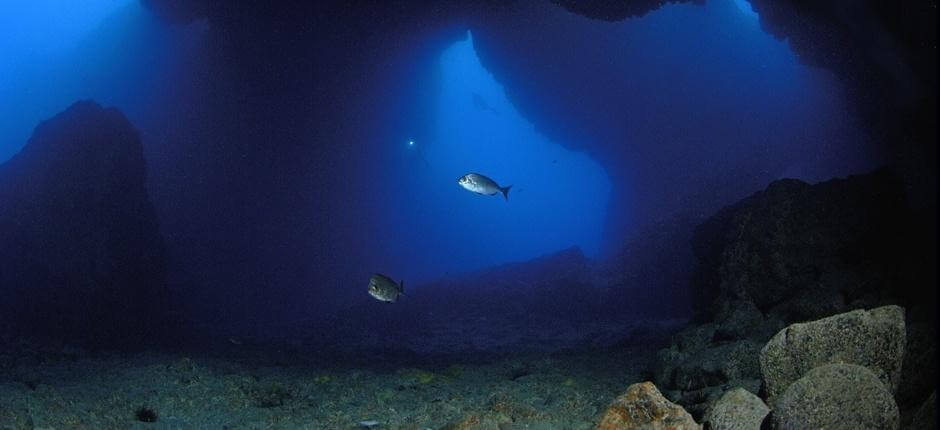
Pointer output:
x,y
505,191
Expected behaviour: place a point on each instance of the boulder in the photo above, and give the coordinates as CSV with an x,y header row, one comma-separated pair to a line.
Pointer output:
x,y
836,396
737,409
642,407
718,365
874,339
739,319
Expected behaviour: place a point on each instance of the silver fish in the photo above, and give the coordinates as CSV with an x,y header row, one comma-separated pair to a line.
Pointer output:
x,y
482,185
385,289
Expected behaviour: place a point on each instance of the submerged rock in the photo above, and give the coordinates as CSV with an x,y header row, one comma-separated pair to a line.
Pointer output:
x,y
82,258
737,409
919,371
926,416
836,396
874,339
798,251
718,365
642,407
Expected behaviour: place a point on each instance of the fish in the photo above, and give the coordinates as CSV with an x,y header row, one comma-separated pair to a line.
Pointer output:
x,y
385,289
482,185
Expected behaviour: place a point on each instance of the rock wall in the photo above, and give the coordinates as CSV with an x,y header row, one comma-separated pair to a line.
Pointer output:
x,y
83,259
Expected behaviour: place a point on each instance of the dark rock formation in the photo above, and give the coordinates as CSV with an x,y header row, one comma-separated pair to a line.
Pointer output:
x,y
919,371
798,252
926,416
886,46
82,258
836,396
874,339
178,11
607,10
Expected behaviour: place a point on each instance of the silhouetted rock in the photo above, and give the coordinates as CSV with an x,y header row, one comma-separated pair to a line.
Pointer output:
x,y
836,396
642,407
82,256
614,10
178,11
874,339
800,251
926,416
737,409
919,371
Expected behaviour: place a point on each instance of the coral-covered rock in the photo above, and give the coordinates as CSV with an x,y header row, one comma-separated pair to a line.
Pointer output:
x,y
737,409
642,407
82,256
874,339
836,396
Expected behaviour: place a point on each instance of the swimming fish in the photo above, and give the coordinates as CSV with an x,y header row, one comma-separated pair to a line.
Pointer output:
x,y
385,289
482,185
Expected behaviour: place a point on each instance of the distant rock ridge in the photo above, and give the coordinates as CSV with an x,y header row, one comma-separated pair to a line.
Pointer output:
x,y
82,258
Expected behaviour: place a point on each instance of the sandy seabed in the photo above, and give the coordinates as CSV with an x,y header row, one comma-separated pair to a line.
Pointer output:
x,y
252,387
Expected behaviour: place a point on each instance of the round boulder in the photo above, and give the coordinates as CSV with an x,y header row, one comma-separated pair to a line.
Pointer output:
x,y
836,396
874,339
737,409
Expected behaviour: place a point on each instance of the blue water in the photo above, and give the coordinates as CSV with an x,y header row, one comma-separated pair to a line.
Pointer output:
x,y
558,196
286,166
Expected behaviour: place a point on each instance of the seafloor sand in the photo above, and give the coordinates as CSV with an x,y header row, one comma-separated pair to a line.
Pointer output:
x,y
254,387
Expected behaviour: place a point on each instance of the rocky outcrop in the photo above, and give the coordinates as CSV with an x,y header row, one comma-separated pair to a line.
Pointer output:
x,y
919,371
737,409
82,256
178,11
642,407
798,251
836,396
874,339
926,416
616,11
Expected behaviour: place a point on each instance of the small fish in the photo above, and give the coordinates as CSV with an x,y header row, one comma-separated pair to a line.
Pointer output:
x,y
385,289
482,185
368,424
